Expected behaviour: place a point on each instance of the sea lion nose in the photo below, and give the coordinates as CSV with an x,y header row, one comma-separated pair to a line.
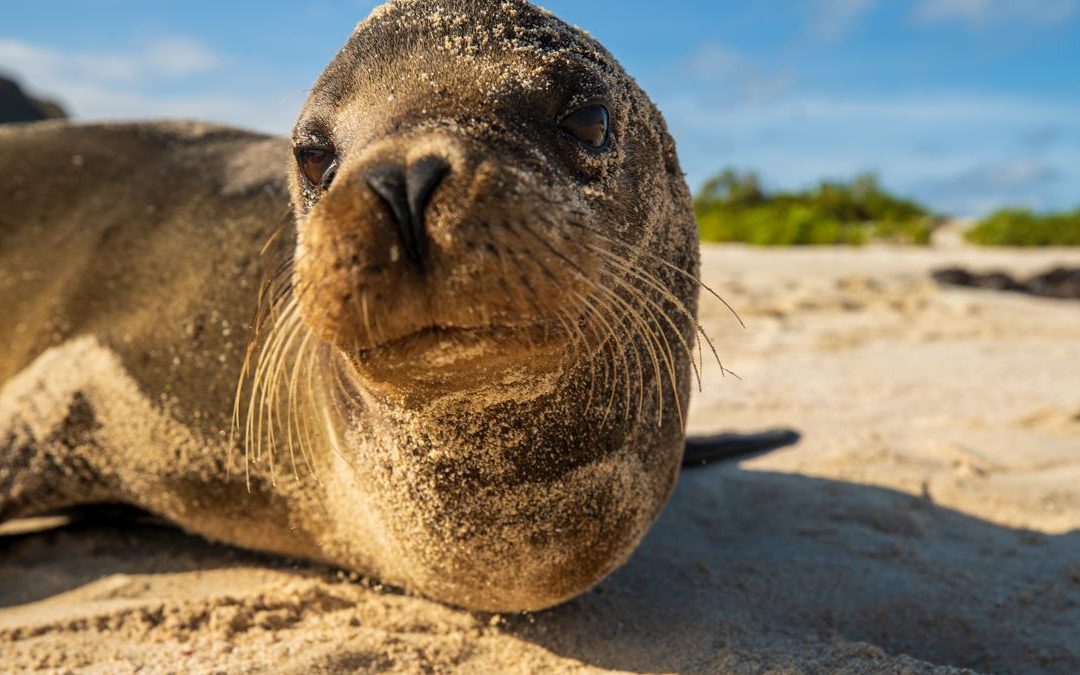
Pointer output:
x,y
407,192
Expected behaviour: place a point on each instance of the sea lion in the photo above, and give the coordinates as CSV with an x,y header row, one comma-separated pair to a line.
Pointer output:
x,y
471,350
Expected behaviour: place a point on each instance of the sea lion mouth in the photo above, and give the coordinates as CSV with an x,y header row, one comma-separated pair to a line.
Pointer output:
x,y
474,339
427,337
472,354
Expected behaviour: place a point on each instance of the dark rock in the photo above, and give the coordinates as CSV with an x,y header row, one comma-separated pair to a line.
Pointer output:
x,y
1060,282
16,106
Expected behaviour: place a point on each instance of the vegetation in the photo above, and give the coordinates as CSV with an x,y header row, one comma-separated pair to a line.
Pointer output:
x,y
734,207
1021,227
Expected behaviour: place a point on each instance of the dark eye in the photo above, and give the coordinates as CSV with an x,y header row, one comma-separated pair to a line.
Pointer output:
x,y
589,125
318,165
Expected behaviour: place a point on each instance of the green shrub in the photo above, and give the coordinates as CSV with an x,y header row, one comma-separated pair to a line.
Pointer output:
x,y
1021,227
734,207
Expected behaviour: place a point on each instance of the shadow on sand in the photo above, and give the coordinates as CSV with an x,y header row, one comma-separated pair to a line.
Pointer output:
x,y
741,562
106,540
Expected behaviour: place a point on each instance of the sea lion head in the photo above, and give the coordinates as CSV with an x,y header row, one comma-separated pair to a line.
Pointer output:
x,y
484,199
459,166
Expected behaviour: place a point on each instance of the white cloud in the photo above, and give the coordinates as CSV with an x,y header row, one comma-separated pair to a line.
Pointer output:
x,y
833,19
981,188
124,84
936,109
980,13
734,77
179,57
981,156
165,57
715,62
930,109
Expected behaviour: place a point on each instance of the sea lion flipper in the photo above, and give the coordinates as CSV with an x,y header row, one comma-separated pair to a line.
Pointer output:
x,y
49,437
76,429
702,450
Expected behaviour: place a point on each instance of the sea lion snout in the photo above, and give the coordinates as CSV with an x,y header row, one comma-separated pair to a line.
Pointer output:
x,y
407,191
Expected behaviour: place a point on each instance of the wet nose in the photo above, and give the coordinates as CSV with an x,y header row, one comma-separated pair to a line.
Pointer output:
x,y
407,192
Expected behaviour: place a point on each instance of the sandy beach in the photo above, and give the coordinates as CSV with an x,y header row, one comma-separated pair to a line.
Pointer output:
x,y
928,521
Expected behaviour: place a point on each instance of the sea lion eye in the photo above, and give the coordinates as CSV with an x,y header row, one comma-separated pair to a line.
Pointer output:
x,y
319,165
588,125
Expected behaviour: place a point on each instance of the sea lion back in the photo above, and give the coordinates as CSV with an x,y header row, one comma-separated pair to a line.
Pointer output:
x,y
119,231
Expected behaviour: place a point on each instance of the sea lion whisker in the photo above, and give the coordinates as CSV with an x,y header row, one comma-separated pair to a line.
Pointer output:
x,y
661,261
274,291
577,336
614,340
594,285
653,332
266,375
659,337
262,310
617,343
575,328
609,369
264,416
532,298
314,403
639,328
650,279
338,390
277,379
540,310
293,420
625,268
365,313
592,373
654,310
297,421
664,348
699,329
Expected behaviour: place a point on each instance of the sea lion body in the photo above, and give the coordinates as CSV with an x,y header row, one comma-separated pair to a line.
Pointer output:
x,y
472,349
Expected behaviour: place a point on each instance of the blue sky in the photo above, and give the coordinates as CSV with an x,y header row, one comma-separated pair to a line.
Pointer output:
x,y
965,104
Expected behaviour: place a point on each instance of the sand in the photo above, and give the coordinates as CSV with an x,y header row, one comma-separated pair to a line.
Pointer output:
x,y
928,520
